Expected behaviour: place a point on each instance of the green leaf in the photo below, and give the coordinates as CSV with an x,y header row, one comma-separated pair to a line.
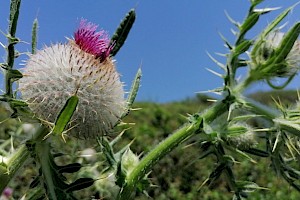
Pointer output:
x,y
217,172
120,175
257,152
70,168
248,186
255,2
133,91
80,184
143,185
293,173
242,47
122,32
35,182
107,151
249,22
65,115
267,30
287,44
14,74
291,126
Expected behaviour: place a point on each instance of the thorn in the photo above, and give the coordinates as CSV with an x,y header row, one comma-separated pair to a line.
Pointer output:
x,y
214,72
225,40
62,136
2,45
204,182
232,20
46,136
221,65
135,109
276,142
233,32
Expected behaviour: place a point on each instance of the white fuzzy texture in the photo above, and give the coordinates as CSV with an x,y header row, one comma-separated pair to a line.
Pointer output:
x,y
293,58
54,74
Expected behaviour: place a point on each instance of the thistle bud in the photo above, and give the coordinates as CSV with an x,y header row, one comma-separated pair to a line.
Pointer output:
x,y
107,186
129,161
268,52
82,66
240,136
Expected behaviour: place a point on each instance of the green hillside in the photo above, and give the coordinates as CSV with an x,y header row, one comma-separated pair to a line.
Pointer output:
x,y
180,174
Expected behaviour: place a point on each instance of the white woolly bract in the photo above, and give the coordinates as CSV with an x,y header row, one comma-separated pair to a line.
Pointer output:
x,y
54,74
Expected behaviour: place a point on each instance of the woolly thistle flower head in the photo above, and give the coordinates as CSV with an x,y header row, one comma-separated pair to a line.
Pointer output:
x,y
82,67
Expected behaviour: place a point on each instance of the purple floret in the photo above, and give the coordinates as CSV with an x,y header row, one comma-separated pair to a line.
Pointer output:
x,y
91,41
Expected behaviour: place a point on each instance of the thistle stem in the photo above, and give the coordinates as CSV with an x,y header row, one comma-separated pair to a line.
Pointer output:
x,y
18,159
43,149
261,109
13,19
167,146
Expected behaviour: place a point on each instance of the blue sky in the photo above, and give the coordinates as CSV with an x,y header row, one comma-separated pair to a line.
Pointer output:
x,y
169,38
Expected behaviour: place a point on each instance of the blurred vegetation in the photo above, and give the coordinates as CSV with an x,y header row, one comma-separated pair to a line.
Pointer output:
x,y
180,174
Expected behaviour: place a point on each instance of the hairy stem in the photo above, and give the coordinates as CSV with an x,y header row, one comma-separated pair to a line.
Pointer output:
x,y
18,159
260,109
42,150
167,146
12,40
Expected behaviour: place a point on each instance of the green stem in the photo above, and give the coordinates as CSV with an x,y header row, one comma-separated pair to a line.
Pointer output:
x,y
42,150
13,20
155,155
220,153
167,146
14,164
18,159
260,109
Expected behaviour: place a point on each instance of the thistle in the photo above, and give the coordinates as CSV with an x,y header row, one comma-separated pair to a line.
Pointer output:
x,y
290,65
82,66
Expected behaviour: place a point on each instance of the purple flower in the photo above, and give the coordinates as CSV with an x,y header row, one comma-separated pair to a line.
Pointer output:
x,y
7,192
91,41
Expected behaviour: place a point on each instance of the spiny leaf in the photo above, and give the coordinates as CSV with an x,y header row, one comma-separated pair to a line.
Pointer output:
x,y
107,151
133,91
14,74
122,32
291,126
65,115
248,186
257,152
217,172
293,173
242,47
80,184
70,168
255,2
120,176
287,43
249,23
267,30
